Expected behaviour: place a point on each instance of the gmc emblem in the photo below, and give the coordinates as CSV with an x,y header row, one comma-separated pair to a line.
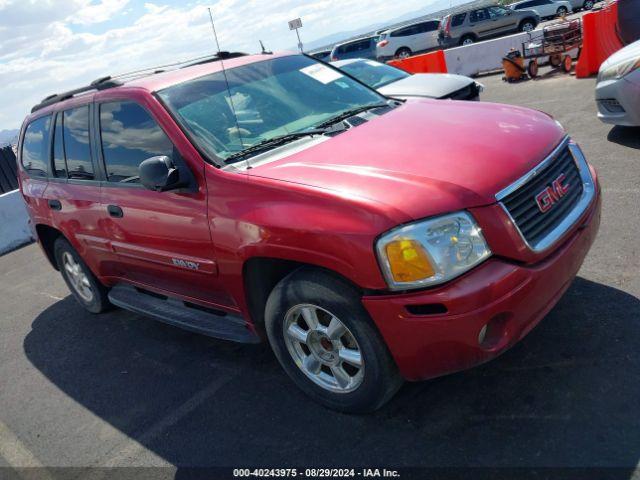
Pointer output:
x,y
548,197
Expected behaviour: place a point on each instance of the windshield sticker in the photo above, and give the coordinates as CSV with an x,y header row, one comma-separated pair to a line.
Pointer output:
x,y
321,73
372,63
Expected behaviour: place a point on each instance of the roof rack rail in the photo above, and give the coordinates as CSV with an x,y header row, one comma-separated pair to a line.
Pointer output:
x,y
100,84
104,83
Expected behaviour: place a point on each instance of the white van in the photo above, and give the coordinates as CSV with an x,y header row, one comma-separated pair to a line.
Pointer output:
x,y
407,40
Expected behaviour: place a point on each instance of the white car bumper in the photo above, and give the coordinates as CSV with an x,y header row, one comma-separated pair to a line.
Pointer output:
x,y
619,100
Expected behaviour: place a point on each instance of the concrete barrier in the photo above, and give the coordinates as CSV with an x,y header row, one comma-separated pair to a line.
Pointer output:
x,y
487,56
14,222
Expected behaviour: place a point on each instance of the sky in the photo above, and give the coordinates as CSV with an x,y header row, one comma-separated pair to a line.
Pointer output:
x,y
48,46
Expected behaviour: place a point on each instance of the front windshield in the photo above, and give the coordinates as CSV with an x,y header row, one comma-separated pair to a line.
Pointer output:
x,y
270,98
374,74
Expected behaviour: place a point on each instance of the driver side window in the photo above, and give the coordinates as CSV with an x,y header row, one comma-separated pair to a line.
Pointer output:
x,y
496,12
129,136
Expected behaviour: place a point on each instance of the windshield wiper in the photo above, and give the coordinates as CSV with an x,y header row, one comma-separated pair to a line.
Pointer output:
x,y
350,113
274,142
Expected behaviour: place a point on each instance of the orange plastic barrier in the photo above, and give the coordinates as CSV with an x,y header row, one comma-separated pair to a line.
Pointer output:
x,y
432,62
599,39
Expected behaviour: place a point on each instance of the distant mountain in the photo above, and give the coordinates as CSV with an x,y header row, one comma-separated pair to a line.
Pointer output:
x,y
8,137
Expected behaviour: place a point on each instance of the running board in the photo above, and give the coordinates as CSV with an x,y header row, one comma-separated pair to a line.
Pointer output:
x,y
199,319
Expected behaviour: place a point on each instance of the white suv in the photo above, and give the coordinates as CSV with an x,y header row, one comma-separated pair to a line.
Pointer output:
x,y
544,8
402,42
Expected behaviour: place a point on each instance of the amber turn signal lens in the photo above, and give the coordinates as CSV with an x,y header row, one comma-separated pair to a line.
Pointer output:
x,y
408,261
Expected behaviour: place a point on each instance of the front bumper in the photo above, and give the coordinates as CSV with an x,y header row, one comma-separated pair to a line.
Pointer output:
x,y
619,101
509,298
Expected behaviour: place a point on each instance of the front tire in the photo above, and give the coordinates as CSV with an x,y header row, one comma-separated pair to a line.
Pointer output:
x,y
588,4
562,11
85,287
326,342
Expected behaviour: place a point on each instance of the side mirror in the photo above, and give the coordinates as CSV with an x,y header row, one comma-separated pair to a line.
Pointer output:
x,y
160,174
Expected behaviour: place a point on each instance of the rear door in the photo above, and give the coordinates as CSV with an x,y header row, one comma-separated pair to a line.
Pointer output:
x,y
430,39
159,240
73,191
481,23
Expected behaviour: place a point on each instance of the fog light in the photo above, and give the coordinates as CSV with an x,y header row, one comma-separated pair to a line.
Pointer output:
x,y
482,335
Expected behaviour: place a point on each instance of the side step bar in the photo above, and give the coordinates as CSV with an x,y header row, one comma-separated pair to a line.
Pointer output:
x,y
189,316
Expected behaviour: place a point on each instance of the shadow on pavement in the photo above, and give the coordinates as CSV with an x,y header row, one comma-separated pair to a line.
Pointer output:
x,y
625,136
568,394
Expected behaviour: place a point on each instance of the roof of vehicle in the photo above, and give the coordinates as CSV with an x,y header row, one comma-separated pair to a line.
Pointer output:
x,y
158,78
354,40
348,61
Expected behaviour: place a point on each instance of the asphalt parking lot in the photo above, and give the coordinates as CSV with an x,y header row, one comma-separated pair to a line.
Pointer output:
x,y
122,390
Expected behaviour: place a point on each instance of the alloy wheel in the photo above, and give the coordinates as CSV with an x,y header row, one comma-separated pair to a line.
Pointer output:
x,y
527,27
77,277
323,348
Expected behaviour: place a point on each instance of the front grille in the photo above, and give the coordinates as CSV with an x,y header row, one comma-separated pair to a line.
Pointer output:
x,y
533,223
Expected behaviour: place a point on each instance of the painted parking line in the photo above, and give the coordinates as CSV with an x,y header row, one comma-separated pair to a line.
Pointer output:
x,y
18,456
126,456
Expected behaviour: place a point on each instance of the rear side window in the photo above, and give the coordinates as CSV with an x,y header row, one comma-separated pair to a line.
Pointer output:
x,y
129,136
405,32
76,143
35,146
59,162
428,26
358,46
458,19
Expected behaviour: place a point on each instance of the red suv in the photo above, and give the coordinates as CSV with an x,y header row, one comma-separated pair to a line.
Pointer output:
x,y
370,240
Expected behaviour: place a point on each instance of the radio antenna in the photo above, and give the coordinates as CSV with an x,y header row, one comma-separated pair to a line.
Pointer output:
x,y
226,80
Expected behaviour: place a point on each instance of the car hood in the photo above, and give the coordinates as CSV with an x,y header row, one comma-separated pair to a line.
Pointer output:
x,y
432,85
629,52
425,157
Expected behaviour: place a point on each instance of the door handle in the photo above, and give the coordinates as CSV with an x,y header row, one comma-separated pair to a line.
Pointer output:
x,y
55,204
115,211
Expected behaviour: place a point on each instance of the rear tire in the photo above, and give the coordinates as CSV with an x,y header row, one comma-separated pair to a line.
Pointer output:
x,y
317,326
82,283
403,53
567,64
527,25
467,40
562,11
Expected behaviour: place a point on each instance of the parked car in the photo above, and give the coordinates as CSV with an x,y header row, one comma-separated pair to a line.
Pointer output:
x,y
618,87
402,42
360,48
582,4
368,240
468,27
393,82
324,55
544,8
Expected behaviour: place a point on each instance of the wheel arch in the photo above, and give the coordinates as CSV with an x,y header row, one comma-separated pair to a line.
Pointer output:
x,y
260,276
47,236
400,49
528,19
468,35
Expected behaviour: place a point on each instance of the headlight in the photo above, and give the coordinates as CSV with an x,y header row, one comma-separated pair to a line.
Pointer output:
x,y
431,251
620,70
